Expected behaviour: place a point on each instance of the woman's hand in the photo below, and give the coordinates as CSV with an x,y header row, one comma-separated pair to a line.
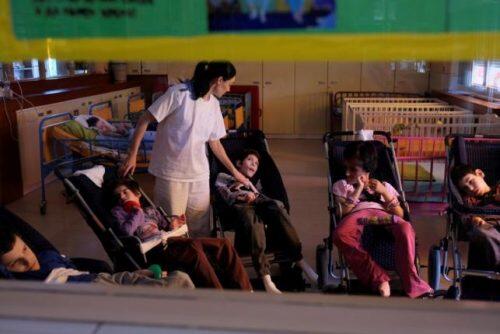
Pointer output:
x,y
249,197
377,186
129,165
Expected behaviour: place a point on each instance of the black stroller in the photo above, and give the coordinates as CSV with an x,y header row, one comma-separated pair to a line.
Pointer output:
x,y
481,152
126,252
272,185
335,277
37,243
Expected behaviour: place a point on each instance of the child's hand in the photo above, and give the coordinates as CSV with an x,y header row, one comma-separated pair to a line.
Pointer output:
x,y
178,221
249,197
477,221
362,182
377,186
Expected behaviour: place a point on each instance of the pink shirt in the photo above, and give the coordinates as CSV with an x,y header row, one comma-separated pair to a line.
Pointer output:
x,y
345,190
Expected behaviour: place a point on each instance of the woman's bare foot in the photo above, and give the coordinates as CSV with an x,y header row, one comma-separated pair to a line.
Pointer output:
x,y
384,289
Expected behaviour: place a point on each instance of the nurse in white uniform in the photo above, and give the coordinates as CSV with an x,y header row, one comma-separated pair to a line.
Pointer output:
x,y
189,117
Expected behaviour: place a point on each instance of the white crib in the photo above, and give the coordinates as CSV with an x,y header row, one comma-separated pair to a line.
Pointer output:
x,y
384,100
363,115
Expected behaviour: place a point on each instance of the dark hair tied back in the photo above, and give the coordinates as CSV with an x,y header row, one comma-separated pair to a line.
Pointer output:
x,y
206,71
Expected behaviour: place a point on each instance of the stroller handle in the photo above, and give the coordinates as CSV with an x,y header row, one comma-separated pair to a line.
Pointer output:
x,y
449,138
328,135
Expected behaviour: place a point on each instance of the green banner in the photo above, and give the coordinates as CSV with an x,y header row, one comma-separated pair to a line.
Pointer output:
x,y
185,18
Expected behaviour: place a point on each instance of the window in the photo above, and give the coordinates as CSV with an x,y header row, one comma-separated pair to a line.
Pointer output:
x,y
26,69
55,68
413,66
486,74
493,75
82,68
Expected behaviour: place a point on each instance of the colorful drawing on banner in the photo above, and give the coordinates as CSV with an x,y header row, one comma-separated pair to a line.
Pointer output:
x,y
265,15
108,18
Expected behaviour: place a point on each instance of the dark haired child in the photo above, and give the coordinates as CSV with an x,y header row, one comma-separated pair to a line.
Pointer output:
x,y
253,209
365,199
48,265
484,231
210,262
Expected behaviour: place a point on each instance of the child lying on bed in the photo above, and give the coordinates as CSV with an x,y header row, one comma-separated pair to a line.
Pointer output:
x,y
253,209
103,127
364,199
19,261
210,262
114,135
484,230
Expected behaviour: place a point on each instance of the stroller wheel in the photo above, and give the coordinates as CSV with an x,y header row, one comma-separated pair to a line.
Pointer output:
x,y
453,293
43,207
434,270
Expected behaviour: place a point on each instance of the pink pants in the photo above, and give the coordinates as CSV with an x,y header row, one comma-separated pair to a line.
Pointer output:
x,y
347,237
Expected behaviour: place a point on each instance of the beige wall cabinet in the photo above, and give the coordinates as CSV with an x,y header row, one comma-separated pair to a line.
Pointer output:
x,y
134,68
344,76
250,73
311,98
158,68
377,77
278,98
178,71
409,80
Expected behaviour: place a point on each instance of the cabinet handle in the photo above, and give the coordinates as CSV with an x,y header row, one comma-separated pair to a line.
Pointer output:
x,y
321,82
268,83
76,112
135,71
145,70
40,114
48,112
334,82
256,82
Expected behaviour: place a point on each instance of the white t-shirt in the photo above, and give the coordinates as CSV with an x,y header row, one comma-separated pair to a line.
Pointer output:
x,y
185,126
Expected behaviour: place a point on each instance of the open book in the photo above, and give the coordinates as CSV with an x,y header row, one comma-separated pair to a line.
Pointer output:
x,y
164,236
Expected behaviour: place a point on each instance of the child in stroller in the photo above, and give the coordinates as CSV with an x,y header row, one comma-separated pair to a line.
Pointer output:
x,y
363,201
253,209
19,261
484,230
210,262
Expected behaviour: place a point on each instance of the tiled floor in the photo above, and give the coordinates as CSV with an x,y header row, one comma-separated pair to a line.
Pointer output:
x,y
304,171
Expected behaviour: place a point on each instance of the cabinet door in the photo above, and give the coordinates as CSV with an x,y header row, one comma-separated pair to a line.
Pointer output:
x,y
377,77
278,97
311,98
409,80
248,73
153,68
178,71
344,76
134,68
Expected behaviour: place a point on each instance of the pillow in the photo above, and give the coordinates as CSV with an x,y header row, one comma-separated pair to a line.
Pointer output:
x,y
76,129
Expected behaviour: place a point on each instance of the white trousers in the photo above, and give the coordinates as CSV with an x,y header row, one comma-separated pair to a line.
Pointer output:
x,y
190,198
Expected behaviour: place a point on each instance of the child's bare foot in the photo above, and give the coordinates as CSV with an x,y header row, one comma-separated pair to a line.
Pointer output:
x,y
384,289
